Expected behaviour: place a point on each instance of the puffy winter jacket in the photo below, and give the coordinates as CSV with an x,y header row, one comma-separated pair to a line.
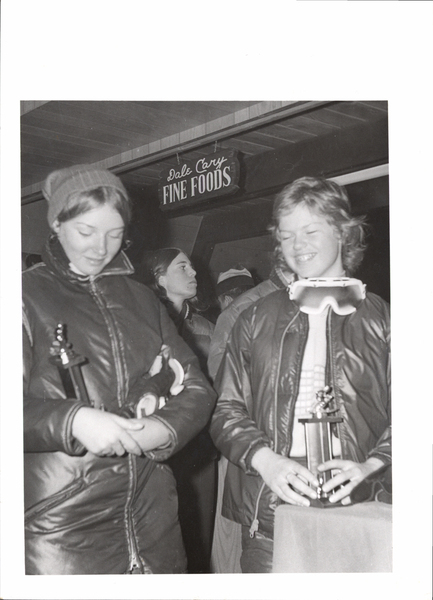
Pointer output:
x,y
84,513
258,385
197,332
277,280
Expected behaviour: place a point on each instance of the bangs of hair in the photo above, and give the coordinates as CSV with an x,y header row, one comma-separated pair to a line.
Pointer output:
x,y
78,203
331,201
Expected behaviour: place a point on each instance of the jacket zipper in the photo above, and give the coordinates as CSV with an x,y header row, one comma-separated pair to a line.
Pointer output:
x,y
278,378
135,564
113,336
255,523
331,376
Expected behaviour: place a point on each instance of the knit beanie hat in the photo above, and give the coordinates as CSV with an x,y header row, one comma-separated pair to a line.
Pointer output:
x,y
79,178
233,278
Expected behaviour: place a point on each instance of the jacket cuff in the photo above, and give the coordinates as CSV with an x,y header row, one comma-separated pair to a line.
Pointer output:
x,y
72,445
48,426
163,452
381,455
249,469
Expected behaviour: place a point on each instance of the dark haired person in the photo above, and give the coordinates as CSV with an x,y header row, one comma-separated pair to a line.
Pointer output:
x,y
283,350
170,274
99,497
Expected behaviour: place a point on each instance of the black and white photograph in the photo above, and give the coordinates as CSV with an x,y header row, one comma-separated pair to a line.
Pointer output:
x,y
316,173
203,282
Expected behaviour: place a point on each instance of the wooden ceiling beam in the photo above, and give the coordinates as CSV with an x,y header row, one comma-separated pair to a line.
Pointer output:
x,y
358,148
241,121
250,122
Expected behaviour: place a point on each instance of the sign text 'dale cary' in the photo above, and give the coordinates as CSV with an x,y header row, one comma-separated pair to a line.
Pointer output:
x,y
191,181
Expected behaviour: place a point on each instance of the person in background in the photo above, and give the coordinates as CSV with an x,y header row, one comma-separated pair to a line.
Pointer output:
x,y
282,351
170,274
99,498
279,278
231,284
235,291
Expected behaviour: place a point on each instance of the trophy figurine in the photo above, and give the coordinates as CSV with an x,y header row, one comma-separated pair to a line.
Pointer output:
x,y
68,364
318,440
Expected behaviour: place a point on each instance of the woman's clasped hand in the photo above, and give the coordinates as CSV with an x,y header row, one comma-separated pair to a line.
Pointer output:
x,y
287,478
295,484
107,434
349,475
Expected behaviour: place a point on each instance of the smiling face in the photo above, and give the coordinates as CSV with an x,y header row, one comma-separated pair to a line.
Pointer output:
x,y
179,280
91,239
310,246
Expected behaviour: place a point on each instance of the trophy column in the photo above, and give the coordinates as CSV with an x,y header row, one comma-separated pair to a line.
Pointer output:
x,y
318,439
69,364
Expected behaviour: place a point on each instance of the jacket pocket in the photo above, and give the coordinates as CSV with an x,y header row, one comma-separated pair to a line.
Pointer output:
x,y
53,501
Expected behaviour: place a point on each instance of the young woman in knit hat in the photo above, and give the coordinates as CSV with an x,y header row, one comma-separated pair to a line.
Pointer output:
x,y
99,498
323,335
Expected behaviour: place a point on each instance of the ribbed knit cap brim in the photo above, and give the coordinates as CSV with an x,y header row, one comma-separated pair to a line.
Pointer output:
x,y
60,184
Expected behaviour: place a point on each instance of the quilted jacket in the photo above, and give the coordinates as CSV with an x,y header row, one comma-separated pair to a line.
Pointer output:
x,y
258,385
277,280
87,514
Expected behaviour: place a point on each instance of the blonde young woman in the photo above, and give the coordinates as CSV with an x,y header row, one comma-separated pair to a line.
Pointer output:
x,y
286,348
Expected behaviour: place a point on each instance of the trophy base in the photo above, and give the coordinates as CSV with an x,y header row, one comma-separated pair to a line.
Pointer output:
x,y
324,503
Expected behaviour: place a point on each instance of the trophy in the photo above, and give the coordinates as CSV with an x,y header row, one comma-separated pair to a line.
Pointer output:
x,y
318,440
68,364
148,394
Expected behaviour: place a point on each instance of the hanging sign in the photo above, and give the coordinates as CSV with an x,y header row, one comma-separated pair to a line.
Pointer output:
x,y
207,177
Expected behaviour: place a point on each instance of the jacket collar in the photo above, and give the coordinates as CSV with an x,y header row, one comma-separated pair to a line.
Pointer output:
x,y
280,279
180,318
56,260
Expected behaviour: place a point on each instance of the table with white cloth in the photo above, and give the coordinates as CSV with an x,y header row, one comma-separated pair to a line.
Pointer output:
x,y
345,539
